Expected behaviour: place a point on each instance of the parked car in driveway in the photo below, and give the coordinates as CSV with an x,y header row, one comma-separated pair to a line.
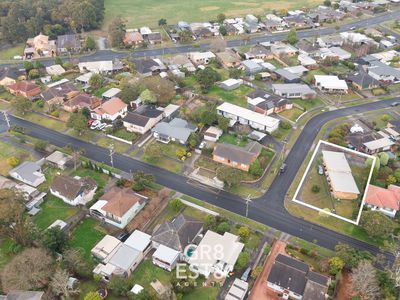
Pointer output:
x,y
95,124
101,126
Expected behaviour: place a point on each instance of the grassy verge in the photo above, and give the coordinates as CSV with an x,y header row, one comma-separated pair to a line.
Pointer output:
x,y
106,142
165,163
46,122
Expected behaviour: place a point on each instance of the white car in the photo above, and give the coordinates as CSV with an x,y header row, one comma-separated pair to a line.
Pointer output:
x,y
101,126
95,124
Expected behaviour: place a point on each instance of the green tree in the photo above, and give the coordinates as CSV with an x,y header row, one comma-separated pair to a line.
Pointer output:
x,y
230,176
223,227
119,285
235,73
21,105
222,30
162,22
163,89
13,161
292,36
148,96
92,296
176,204
244,233
141,179
383,158
385,118
327,3
40,145
315,189
154,151
397,174
33,74
28,65
68,65
58,61
185,36
242,261
193,140
55,240
221,18
391,179
90,44
255,168
96,81
223,123
116,32
77,122
336,264
350,256
130,93
376,224
74,260
207,78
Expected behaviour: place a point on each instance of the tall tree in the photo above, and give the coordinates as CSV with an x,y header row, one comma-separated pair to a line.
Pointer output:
x,y
96,81
230,176
55,240
292,36
365,282
77,122
59,284
22,105
163,89
29,270
116,32
207,78
376,224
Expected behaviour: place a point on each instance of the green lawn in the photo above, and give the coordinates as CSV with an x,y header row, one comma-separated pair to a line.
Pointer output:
x,y
106,142
309,104
233,140
46,122
53,209
237,96
165,163
9,53
171,148
86,235
100,178
6,251
292,114
310,75
191,11
203,293
7,150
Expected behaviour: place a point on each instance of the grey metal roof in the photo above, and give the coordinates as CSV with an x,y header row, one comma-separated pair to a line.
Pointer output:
x,y
68,41
286,74
26,170
293,88
124,257
177,128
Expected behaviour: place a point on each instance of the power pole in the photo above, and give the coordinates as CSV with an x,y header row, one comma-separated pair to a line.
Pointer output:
x,y
111,155
6,118
248,200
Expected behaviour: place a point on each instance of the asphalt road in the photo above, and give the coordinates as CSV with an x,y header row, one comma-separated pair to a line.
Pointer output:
x,y
109,54
268,209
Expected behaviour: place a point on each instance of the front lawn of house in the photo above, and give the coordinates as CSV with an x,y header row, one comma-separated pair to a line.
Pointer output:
x,y
163,162
46,121
292,114
53,209
309,103
106,142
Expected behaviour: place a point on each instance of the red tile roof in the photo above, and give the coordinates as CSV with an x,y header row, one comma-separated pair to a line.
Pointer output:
x,y
111,107
23,86
383,198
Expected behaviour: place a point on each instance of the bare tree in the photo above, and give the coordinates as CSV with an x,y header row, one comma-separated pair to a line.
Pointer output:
x,y
59,284
29,270
364,281
75,262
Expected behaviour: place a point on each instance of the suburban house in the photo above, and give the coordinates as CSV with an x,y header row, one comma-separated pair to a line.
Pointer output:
x,y
73,190
334,52
238,290
274,23
295,280
264,103
110,110
149,67
59,94
339,175
287,76
281,49
386,201
154,38
247,117
80,101
330,84
252,67
177,130
107,246
68,43
228,58
143,119
307,61
181,61
201,58
118,206
384,73
28,172
9,76
212,134
237,157
100,67
55,70
39,46
173,237
231,84
60,160
361,80
221,262
32,196
133,37
24,88
259,52
330,41
379,145
84,80
294,90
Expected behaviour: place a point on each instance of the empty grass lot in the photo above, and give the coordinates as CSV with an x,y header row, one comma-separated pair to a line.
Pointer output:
x,y
53,209
8,150
148,12
46,121
236,96
164,162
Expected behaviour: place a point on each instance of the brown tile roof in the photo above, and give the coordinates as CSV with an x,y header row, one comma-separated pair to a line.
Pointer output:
x,y
70,187
84,100
119,201
238,154
23,86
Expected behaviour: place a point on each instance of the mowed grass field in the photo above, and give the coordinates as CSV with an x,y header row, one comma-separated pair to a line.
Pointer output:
x,y
148,12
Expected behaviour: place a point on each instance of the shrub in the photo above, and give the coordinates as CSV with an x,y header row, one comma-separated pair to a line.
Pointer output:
x,y
13,161
223,227
55,114
176,204
315,189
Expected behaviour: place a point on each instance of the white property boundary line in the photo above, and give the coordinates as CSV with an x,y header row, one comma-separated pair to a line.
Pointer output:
x,y
308,168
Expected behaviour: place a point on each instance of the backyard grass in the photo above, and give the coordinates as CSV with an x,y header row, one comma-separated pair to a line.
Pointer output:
x,y
236,96
46,122
292,114
100,178
106,142
86,235
9,53
309,104
310,75
53,209
7,150
203,293
6,251
190,11
233,140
